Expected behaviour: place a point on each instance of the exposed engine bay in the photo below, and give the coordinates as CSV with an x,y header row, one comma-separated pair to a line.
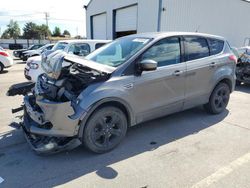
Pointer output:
x,y
72,81
49,105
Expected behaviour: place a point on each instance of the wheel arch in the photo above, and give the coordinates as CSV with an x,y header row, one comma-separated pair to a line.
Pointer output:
x,y
227,81
116,102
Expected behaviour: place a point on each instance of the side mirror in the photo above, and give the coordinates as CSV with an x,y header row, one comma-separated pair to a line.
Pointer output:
x,y
148,65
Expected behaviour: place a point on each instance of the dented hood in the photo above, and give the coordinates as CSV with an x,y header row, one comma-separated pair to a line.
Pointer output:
x,y
90,64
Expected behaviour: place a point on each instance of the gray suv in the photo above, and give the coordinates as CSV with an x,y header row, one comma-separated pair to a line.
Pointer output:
x,y
128,81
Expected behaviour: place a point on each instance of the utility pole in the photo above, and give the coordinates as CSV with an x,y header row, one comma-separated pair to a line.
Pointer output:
x,y
47,18
47,21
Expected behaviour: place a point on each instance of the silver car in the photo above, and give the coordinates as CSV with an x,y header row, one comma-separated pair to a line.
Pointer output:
x,y
128,81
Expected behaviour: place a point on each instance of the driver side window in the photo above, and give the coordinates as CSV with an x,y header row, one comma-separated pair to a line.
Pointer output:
x,y
165,52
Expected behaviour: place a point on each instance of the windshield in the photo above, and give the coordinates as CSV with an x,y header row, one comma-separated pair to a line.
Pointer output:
x,y
119,51
60,46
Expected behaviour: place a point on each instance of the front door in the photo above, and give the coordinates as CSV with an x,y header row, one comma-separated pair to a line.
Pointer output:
x,y
161,92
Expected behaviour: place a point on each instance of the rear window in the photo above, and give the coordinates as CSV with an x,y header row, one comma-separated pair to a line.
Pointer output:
x,y
196,48
216,46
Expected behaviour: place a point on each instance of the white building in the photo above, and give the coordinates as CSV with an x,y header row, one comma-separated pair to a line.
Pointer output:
x,y
109,19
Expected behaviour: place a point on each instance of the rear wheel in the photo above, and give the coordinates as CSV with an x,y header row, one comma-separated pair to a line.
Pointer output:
x,y
1,67
105,129
219,99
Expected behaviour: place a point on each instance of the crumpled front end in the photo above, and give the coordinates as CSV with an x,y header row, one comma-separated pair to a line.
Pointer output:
x,y
47,120
51,112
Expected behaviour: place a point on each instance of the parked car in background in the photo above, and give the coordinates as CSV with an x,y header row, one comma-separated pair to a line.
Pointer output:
x,y
243,65
5,59
19,53
128,81
39,51
33,66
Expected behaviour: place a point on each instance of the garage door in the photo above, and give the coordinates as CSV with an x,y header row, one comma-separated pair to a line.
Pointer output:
x,y
99,26
126,20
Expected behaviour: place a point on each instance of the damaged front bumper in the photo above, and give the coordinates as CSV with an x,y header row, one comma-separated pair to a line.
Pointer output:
x,y
53,118
45,144
48,127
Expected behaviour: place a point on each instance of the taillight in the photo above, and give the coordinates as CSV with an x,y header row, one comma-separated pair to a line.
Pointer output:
x,y
4,54
233,58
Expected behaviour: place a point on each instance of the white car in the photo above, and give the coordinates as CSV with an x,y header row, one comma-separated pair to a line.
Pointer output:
x,y
5,59
39,51
74,47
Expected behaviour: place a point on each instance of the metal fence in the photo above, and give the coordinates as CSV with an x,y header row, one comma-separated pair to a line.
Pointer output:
x,y
20,43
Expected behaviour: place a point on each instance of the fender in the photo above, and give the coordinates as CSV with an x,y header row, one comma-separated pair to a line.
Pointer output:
x,y
224,74
84,118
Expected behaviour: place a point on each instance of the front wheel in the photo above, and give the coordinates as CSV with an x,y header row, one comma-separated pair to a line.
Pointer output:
x,y
105,129
219,99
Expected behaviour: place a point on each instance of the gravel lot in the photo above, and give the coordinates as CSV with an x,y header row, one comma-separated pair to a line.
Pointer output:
x,y
188,149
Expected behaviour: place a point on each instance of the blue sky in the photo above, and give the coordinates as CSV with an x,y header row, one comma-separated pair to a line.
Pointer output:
x,y
68,15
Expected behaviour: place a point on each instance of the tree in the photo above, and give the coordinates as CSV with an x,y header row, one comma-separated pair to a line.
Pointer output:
x,y
30,31
44,31
66,32
12,31
5,35
34,31
57,32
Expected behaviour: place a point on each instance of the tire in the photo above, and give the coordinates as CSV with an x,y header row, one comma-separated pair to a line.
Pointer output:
x,y
1,67
219,99
24,58
105,129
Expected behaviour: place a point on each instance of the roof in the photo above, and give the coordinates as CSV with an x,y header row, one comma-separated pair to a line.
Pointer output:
x,y
169,34
83,40
89,3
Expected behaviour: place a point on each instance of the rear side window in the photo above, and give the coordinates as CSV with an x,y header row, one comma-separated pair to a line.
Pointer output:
x,y
99,45
196,48
216,46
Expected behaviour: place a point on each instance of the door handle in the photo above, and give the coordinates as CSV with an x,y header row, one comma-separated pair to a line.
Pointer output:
x,y
213,64
177,73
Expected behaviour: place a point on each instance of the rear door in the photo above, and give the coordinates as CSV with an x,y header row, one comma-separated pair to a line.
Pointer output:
x,y
161,92
202,63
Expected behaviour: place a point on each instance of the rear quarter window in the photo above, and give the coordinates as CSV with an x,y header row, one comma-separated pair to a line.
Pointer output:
x,y
196,48
216,46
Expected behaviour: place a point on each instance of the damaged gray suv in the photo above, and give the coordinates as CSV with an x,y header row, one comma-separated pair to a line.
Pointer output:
x,y
128,81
